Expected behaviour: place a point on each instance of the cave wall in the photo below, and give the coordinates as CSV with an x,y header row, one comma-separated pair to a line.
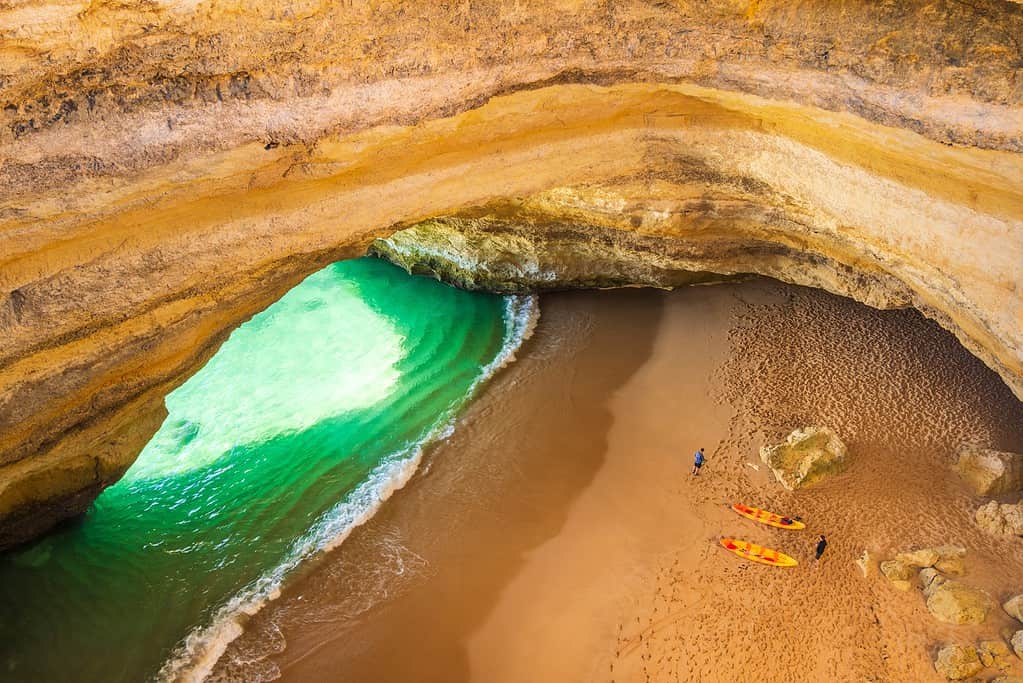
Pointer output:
x,y
167,169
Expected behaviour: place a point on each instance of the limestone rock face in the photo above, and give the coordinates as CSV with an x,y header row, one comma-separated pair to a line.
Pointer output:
x,y
521,256
1001,519
956,603
1014,607
958,662
806,456
989,472
168,169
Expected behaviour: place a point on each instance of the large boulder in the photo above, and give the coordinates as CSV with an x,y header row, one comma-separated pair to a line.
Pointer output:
x,y
1014,607
1001,519
805,456
951,565
990,472
1017,644
956,603
923,558
899,573
958,662
950,559
896,570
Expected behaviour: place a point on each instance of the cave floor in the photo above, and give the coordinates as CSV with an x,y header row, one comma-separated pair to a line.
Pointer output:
x,y
558,534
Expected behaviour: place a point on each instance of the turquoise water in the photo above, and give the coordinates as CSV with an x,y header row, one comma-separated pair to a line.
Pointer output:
x,y
305,420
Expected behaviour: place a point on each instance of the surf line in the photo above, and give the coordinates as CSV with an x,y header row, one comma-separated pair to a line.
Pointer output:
x,y
195,657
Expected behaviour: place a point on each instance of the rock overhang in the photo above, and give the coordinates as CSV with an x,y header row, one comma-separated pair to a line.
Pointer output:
x,y
183,190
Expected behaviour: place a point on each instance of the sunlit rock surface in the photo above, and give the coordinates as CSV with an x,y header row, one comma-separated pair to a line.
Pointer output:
x,y
989,472
953,602
958,662
167,169
1001,519
808,455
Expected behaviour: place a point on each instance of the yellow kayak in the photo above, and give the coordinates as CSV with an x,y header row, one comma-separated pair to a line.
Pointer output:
x,y
768,518
758,553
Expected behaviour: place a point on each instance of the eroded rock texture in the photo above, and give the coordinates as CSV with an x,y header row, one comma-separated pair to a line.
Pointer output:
x,y
169,168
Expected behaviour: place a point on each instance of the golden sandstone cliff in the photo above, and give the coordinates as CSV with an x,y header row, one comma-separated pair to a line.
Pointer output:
x,y
169,168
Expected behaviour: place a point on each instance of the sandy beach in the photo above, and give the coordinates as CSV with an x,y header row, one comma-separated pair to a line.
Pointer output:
x,y
557,535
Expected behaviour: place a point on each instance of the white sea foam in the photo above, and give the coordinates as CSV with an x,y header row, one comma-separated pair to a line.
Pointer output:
x,y
194,659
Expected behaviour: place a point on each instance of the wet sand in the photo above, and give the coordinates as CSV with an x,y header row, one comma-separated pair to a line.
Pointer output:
x,y
558,535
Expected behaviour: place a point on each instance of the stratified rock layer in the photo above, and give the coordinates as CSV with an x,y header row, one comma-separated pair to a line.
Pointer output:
x,y
167,169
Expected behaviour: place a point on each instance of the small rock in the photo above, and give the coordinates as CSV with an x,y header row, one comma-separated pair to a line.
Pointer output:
x,y
958,662
1014,606
925,557
1003,519
896,570
931,580
866,563
956,603
1017,644
951,565
990,472
806,456
994,653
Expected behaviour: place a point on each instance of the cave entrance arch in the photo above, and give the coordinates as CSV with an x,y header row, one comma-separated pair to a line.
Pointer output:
x,y
694,179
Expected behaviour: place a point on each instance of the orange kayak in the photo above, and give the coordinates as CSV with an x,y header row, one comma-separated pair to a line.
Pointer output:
x,y
758,553
768,518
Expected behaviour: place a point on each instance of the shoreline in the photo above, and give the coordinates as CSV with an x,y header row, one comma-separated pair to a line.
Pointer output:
x,y
557,535
197,656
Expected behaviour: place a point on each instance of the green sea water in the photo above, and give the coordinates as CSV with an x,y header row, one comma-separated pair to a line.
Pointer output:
x,y
309,416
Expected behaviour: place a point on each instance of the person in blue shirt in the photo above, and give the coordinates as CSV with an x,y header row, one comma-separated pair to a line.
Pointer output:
x,y
698,460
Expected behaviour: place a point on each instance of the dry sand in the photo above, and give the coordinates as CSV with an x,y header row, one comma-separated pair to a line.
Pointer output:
x,y
558,535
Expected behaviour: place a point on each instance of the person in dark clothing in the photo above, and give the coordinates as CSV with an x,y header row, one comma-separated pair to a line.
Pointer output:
x,y
822,543
698,460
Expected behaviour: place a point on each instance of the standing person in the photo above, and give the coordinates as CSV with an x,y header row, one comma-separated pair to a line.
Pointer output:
x,y
698,460
822,543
